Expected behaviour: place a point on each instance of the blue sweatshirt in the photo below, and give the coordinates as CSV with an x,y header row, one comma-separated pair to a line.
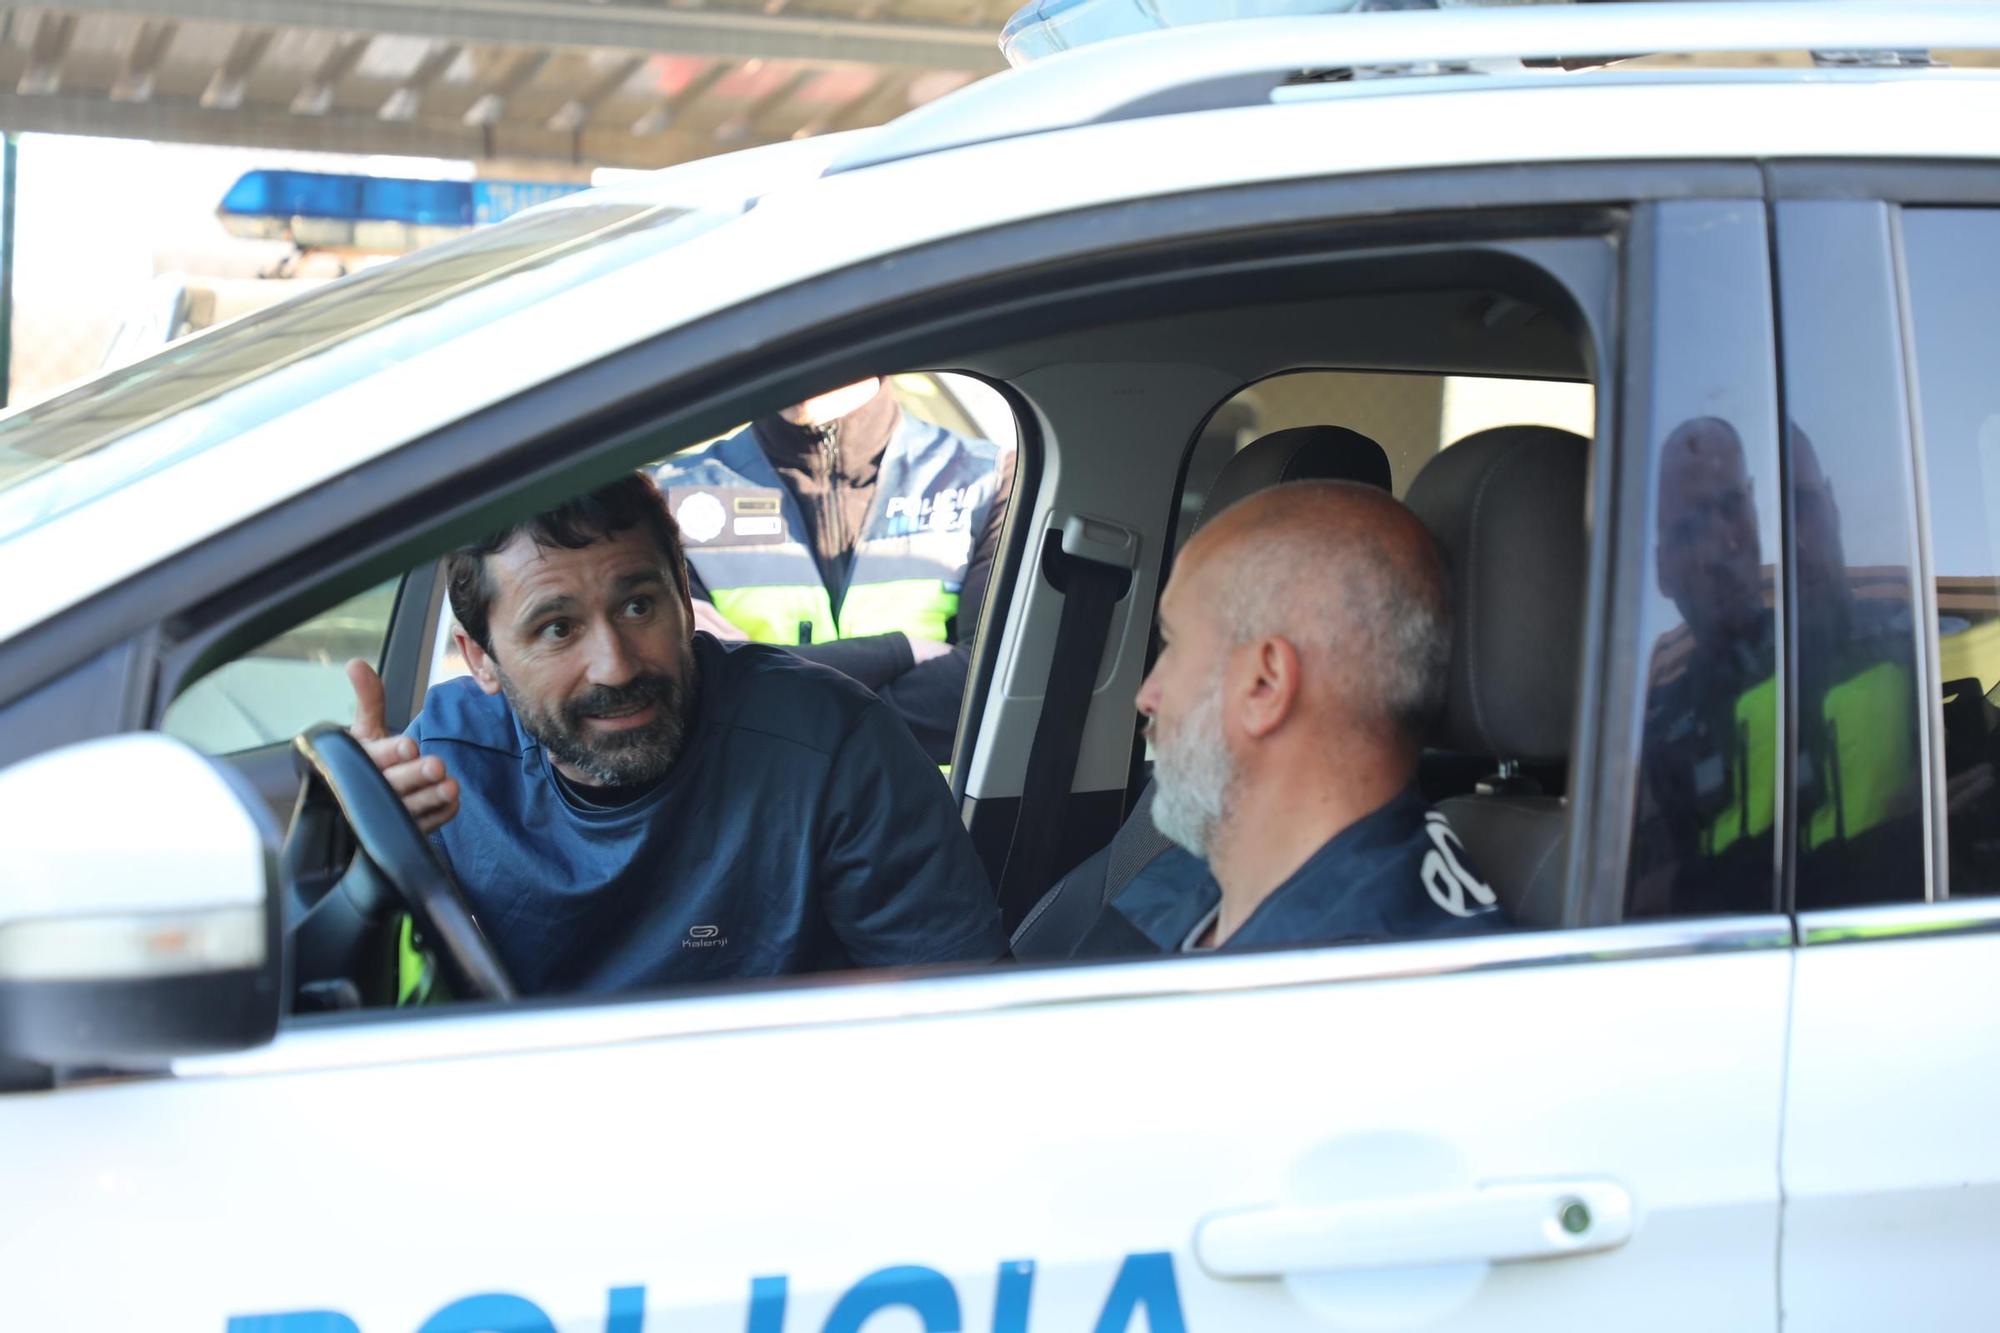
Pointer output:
x,y
800,830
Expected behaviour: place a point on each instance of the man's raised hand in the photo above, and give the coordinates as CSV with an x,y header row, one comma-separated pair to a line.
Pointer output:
x,y
429,794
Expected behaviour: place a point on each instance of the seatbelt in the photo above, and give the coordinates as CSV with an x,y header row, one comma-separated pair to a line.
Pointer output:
x,y
1092,566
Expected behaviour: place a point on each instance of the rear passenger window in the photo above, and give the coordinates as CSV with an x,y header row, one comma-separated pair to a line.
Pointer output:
x,y
1412,416
1952,258
1857,778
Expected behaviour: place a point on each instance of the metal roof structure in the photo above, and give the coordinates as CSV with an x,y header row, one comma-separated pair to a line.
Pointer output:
x,y
625,83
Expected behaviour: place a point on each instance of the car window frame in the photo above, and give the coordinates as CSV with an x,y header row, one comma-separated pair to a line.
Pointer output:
x,y
453,484
1899,184
1843,248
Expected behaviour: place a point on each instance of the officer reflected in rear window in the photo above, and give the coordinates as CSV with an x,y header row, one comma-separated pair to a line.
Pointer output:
x,y
1709,765
857,529
1707,585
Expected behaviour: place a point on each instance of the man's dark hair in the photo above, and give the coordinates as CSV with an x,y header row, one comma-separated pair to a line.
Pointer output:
x,y
629,502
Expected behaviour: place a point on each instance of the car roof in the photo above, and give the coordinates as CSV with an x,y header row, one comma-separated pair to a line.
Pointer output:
x,y
1237,62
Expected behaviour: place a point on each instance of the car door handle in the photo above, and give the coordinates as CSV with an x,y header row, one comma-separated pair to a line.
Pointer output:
x,y
1496,1223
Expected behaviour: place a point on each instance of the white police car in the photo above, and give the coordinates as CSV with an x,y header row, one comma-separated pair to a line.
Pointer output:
x,y
1729,592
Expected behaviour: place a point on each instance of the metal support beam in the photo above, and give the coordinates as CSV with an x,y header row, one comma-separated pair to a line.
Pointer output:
x,y
730,34
738,129
574,114
889,97
142,63
225,90
316,97
491,107
404,102
848,113
661,118
53,33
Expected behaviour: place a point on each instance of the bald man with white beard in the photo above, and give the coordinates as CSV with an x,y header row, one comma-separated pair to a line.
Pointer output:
x,y
1305,640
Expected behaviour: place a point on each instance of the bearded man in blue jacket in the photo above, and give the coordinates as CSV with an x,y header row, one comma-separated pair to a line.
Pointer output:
x,y
627,803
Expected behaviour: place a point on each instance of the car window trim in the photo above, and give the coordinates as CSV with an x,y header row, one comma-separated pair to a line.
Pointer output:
x,y
1937,876
407,649
1886,922
572,1023
1915,182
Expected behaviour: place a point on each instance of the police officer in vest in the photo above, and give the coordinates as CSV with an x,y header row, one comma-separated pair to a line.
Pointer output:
x,y
854,534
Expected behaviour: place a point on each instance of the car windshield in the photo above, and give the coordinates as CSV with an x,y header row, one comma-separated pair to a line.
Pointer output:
x,y
64,453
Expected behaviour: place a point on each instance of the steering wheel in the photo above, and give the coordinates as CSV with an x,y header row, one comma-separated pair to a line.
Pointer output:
x,y
344,931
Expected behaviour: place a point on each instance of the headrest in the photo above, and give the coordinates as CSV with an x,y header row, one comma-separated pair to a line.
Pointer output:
x,y
1507,505
1303,453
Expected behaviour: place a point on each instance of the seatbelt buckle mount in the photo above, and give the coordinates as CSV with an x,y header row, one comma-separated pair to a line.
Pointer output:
x,y
1099,539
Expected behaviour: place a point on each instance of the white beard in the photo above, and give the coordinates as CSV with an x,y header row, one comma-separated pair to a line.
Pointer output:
x,y
1193,774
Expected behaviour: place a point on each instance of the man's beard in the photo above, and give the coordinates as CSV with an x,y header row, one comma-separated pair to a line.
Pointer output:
x,y
627,758
1193,774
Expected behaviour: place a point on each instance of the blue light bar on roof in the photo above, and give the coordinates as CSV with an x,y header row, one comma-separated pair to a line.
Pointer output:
x,y
372,212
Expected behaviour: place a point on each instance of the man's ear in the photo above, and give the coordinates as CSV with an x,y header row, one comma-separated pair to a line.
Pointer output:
x,y
478,660
1269,688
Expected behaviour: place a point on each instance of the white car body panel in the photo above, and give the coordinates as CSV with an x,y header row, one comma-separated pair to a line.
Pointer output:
x,y
799,233
1891,1165
559,1174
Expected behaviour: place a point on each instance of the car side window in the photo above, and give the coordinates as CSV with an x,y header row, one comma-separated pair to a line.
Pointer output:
x,y
278,689
1952,262
1412,416
1857,780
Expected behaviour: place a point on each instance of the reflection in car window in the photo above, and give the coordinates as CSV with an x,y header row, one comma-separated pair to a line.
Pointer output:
x,y
1857,777
275,691
1952,258
1704,839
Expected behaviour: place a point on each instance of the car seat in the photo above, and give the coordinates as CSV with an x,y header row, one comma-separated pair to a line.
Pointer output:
x,y
1507,506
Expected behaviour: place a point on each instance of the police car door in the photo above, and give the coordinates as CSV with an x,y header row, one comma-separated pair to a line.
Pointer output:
x,y
1891,1169
1519,1131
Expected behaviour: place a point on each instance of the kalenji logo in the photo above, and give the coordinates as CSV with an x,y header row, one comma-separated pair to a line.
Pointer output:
x,y
704,937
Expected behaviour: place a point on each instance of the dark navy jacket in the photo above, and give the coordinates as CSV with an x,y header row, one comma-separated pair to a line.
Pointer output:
x,y
1397,873
800,830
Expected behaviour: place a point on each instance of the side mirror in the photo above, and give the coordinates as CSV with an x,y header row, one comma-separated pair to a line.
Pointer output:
x,y
139,911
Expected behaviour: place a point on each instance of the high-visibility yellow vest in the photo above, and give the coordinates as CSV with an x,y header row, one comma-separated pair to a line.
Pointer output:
x,y
1864,746
744,536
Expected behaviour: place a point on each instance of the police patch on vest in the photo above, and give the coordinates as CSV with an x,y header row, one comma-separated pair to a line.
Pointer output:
x,y
700,517
721,516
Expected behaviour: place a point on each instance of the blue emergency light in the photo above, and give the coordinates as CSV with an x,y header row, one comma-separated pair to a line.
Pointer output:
x,y
389,213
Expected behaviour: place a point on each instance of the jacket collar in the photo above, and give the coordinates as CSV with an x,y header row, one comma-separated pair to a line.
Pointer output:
x,y
860,438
